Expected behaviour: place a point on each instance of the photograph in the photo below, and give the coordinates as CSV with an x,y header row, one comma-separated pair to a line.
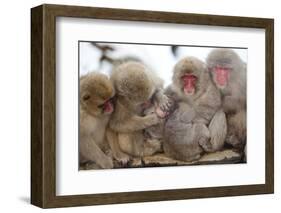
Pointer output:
x,y
133,106
156,105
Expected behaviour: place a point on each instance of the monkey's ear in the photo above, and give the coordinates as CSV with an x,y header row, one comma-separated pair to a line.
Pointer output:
x,y
86,96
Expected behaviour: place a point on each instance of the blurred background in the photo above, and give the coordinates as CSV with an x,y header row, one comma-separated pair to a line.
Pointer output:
x,y
160,58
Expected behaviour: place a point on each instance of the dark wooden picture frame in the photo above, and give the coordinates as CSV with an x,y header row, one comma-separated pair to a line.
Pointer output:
x,y
43,105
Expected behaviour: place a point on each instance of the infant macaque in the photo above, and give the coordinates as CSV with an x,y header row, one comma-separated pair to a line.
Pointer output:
x,y
182,136
155,132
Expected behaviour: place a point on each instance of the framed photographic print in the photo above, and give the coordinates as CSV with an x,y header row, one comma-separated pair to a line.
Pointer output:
x,y
136,106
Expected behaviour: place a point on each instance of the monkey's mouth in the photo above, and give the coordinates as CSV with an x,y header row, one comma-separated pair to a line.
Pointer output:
x,y
188,90
108,106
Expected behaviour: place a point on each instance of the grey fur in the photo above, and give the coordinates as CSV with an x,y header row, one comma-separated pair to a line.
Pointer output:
x,y
187,132
233,94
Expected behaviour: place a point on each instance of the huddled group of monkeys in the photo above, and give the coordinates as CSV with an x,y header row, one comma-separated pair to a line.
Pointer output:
x,y
130,114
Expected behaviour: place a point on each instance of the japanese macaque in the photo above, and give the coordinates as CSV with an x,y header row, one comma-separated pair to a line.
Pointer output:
x,y
228,73
136,88
198,124
183,139
96,93
156,132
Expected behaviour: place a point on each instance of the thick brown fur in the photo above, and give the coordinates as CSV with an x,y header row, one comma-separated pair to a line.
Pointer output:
x,y
135,84
95,90
193,118
233,94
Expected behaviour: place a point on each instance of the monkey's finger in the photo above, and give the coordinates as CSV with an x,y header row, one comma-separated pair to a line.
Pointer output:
x,y
162,107
170,102
165,106
160,112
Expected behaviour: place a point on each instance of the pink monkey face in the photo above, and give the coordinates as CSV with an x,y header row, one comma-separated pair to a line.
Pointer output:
x,y
189,83
221,75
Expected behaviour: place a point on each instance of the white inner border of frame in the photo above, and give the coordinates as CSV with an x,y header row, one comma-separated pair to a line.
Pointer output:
x,y
70,181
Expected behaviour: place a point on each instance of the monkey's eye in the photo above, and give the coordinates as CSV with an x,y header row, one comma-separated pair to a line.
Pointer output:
x,y
222,68
100,106
86,97
189,78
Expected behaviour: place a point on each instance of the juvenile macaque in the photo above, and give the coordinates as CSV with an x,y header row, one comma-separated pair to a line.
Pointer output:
x,y
189,130
96,92
228,73
136,87
156,132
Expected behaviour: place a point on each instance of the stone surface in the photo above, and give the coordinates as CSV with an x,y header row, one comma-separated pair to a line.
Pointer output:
x,y
223,157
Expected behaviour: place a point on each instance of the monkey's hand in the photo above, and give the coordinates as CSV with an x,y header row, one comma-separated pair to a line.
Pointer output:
x,y
165,103
151,119
122,158
205,144
161,113
165,109
232,140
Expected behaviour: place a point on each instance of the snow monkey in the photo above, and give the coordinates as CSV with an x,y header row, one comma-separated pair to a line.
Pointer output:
x,y
198,124
136,88
156,132
228,73
96,92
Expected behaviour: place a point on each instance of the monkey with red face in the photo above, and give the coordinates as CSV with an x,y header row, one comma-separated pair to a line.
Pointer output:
x,y
189,130
228,73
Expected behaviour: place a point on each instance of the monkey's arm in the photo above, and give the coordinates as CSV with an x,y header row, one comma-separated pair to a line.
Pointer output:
x,y
91,151
134,123
169,91
204,113
218,130
237,129
208,104
185,112
232,103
